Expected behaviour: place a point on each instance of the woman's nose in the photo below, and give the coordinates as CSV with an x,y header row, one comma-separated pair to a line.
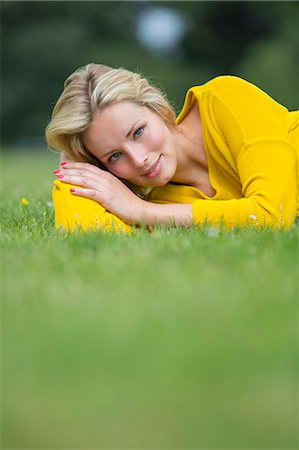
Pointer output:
x,y
139,158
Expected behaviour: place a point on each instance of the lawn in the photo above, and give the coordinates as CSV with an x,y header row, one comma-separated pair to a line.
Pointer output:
x,y
170,339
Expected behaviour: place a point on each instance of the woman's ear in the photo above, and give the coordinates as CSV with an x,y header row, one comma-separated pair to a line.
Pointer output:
x,y
63,157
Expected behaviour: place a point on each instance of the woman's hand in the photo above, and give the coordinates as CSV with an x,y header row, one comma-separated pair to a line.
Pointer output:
x,y
104,188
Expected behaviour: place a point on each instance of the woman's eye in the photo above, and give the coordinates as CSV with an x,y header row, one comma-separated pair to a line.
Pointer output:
x,y
139,132
114,157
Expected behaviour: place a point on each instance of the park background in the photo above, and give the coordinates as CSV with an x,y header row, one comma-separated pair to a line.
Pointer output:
x,y
177,44
174,339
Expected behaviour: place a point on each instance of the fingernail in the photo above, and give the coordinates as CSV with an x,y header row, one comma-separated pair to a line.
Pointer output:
x,y
63,163
72,190
60,176
56,171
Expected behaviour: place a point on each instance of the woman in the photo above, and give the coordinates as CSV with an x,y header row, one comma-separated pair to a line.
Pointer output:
x,y
230,157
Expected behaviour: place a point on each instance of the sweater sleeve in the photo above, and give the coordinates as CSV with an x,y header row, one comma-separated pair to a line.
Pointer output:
x,y
252,126
75,213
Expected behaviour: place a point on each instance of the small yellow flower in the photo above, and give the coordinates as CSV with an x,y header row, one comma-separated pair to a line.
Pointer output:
x,y
24,201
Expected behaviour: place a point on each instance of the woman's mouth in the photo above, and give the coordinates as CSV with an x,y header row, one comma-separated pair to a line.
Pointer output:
x,y
154,168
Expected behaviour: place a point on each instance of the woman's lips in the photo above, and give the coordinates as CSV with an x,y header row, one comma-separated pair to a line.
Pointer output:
x,y
154,169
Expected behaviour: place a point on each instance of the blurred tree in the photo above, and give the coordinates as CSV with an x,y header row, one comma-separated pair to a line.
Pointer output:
x,y
273,64
221,32
42,42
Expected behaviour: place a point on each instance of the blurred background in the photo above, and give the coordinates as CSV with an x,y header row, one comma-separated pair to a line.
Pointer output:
x,y
173,340
176,44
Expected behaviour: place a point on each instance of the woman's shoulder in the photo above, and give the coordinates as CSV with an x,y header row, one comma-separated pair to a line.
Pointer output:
x,y
237,93
226,84
222,87
226,88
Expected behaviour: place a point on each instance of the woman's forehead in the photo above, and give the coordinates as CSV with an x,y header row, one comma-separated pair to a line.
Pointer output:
x,y
121,109
116,119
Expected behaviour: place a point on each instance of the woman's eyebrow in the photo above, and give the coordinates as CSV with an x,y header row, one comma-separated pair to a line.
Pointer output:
x,y
131,129
107,154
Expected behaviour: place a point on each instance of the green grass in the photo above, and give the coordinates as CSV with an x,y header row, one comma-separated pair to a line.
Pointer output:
x,y
174,339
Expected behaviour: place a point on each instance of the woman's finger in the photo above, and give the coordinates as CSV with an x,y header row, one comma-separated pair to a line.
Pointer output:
x,y
84,192
60,173
80,180
80,166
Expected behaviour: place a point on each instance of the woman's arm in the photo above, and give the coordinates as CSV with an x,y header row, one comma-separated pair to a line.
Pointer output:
x,y
267,172
104,188
252,138
166,214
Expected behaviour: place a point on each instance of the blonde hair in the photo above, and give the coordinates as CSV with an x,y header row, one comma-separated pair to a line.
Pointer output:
x,y
89,89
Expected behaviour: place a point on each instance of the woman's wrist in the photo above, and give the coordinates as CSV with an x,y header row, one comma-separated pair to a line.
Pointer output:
x,y
165,214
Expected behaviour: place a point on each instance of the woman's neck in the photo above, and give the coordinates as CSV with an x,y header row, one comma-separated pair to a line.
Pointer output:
x,y
192,161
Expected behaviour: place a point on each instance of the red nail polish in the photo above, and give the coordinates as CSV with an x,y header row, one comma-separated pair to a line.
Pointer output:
x,y
63,163
60,176
56,171
72,190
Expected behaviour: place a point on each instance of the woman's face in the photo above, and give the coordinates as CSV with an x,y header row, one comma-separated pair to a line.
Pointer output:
x,y
133,143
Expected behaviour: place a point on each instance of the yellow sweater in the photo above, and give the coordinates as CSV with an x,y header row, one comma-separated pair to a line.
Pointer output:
x,y
251,143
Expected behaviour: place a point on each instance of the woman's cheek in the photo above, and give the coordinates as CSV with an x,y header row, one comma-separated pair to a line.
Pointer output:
x,y
155,139
119,172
